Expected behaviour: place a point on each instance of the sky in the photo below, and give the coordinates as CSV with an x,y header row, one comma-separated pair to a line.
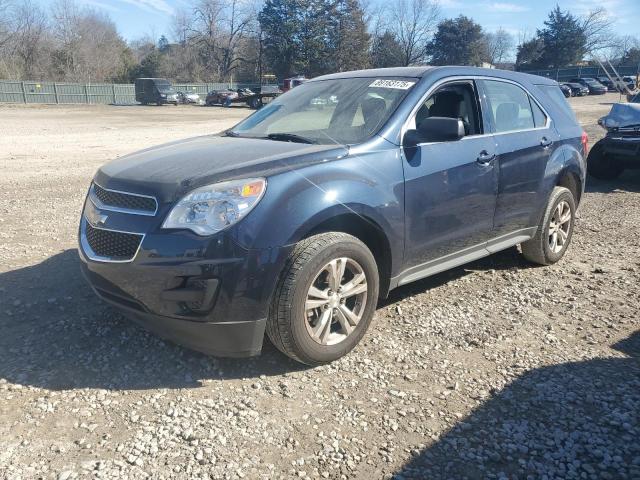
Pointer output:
x,y
138,18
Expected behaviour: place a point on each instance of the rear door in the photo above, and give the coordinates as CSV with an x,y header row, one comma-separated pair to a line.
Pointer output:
x,y
450,187
525,140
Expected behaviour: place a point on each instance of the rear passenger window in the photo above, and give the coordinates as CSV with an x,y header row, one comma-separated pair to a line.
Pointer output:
x,y
509,106
554,92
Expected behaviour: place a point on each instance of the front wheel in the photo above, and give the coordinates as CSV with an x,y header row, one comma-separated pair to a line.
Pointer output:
x,y
325,298
554,232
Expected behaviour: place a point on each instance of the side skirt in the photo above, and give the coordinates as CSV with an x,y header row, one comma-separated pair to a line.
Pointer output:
x,y
461,257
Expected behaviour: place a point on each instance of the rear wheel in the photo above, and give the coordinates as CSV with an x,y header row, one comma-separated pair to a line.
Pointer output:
x,y
602,166
555,231
325,298
255,103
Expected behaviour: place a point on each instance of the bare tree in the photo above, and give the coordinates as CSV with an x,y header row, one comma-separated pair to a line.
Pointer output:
x,y
88,46
30,23
219,29
413,22
5,22
621,45
500,45
597,28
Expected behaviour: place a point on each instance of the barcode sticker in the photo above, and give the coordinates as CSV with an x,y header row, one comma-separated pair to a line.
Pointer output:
x,y
398,84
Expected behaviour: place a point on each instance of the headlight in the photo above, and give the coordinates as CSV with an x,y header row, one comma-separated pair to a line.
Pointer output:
x,y
212,208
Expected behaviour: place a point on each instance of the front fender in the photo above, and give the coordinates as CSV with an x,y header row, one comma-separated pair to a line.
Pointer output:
x,y
369,183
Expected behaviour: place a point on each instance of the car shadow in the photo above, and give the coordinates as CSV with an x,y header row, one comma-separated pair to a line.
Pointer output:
x,y
573,420
56,334
629,181
509,259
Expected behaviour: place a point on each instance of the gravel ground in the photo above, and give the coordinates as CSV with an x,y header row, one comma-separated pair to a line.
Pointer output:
x,y
494,370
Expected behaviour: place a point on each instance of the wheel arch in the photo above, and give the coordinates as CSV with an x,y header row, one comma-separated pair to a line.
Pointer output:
x,y
567,168
569,179
365,229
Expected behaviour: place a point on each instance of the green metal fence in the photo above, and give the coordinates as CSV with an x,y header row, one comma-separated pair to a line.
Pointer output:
x,y
90,93
567,73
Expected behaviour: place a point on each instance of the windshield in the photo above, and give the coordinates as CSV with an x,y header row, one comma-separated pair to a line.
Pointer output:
x,y
164,87
340,111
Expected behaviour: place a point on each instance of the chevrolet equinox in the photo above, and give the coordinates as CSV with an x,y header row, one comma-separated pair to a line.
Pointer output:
x,y
298,219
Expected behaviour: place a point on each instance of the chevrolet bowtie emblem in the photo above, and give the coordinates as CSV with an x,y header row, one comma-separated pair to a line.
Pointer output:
x,y
95,218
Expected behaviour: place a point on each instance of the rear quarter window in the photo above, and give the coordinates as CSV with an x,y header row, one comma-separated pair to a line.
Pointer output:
x,y
557,97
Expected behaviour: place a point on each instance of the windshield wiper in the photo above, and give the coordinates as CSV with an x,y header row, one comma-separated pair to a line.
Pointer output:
x,y
289,137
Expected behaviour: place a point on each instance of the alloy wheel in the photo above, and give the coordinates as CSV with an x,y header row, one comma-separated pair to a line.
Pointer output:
x,y
336,301
559,227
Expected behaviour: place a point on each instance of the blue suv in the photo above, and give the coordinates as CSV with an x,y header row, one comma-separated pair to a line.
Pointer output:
x,y
298,219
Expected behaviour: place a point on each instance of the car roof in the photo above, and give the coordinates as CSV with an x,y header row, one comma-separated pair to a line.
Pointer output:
x,y
422,71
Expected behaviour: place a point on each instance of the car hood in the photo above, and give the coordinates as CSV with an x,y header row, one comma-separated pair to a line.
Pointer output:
x,y
621,115
170,170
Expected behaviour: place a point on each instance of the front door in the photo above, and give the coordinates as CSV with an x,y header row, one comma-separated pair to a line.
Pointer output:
x,y
450,187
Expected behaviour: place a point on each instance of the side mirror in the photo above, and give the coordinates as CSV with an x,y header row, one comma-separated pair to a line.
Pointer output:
x,y
433,129
441,129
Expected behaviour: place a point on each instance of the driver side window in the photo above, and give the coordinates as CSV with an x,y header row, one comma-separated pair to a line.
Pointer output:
x,y
453,100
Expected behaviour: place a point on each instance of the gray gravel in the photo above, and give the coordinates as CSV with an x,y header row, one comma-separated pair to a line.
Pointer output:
x,y
494,370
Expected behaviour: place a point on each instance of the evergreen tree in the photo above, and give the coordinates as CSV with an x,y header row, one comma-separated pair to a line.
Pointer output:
x,y
386,51
529,54
458,41
563,38
348,36
631,57
314,37
282,23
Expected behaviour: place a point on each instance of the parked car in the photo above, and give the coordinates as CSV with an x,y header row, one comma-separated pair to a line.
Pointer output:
x,y
155,90
220,97
595,88
566,90
611,86
186,98
620,148
577,89
298,219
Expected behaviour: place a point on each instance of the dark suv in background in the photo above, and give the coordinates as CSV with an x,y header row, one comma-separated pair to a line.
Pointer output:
x,y
595,87
297,220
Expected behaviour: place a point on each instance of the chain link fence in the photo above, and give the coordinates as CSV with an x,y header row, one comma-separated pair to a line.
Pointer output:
x,y
567,73
91,93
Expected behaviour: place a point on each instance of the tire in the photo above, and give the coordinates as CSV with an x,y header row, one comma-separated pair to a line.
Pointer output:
x,y
540,248
602,166
255,103
290,325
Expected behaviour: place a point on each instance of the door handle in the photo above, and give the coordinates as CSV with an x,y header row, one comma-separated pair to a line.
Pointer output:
x,y
545,142
485,158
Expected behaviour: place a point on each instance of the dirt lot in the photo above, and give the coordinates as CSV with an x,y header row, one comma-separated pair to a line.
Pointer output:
x,y
495,370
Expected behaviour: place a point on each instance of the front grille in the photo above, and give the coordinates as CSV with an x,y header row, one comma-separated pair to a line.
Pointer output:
x,y
116,246
128,201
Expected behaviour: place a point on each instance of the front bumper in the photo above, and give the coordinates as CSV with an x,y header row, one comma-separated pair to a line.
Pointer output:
x,y
223,339
624,149
206,293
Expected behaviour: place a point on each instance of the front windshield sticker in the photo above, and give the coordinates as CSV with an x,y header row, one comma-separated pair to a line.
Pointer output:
x,y
398,84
